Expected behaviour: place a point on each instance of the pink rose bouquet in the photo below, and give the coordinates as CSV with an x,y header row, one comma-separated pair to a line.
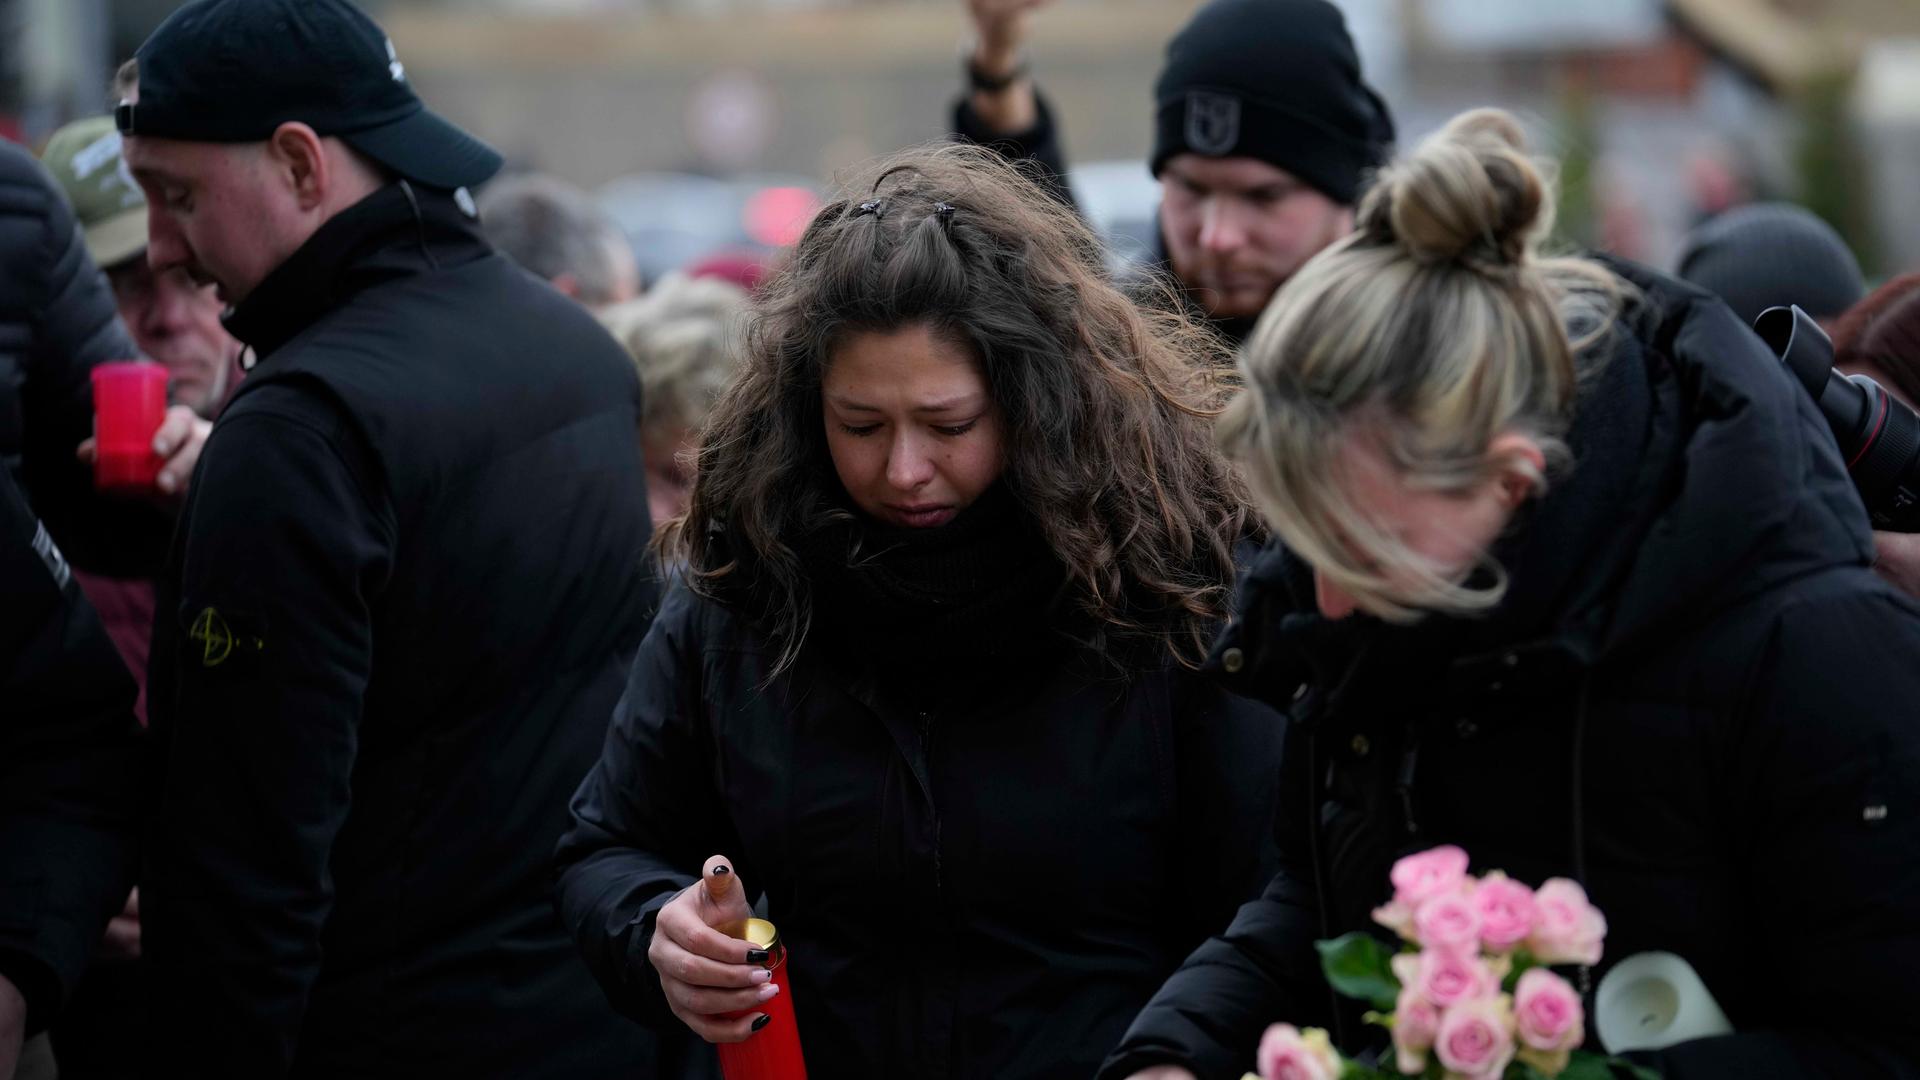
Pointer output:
x,y
1470,993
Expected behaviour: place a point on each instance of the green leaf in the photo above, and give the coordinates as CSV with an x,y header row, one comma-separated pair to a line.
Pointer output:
x,y
1522,962
1520,1070
1585,1066
1354,1070
1359,966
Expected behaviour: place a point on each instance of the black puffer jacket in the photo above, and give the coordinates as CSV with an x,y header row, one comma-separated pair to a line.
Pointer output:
x,y
409,582
68,767
985,881
57,321
1697,698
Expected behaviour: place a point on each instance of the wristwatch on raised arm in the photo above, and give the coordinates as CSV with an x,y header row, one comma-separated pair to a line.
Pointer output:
x,y
986,83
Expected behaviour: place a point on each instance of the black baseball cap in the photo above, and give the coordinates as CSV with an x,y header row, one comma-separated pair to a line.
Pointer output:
x,y
234,70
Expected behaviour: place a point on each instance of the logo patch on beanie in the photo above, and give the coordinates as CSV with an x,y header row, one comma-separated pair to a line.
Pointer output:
x,y
1213,123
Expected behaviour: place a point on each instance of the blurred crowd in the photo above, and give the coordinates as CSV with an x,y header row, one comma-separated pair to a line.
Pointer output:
x,y
945,638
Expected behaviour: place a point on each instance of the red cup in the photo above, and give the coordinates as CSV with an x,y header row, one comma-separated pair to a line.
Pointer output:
x,y
129,405
773,1052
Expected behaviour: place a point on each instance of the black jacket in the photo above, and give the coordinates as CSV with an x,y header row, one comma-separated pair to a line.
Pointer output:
x,y
57,320
983,882
408,582
1696,698
68,767
1037,151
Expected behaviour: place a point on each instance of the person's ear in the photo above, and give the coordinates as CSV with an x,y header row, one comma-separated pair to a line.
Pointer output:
x,y
297,155
566,284
1521,465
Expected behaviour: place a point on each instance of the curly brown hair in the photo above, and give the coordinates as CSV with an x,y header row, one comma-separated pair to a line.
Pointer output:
x,y
1107,402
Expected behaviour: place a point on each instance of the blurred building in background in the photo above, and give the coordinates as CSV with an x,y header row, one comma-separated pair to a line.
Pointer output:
x,y
705,123
53,63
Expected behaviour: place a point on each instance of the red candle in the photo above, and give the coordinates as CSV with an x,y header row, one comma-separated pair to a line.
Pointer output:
x,y
773,1052
129,404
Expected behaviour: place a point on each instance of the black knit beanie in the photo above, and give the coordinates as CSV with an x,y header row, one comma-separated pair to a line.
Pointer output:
x,y
1770,255
1275,80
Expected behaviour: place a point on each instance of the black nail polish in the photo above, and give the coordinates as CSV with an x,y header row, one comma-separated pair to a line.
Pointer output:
x,y
721,869
757,956
762,1022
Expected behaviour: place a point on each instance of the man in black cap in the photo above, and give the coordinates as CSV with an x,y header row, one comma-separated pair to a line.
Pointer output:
x,y
1264,133
410,573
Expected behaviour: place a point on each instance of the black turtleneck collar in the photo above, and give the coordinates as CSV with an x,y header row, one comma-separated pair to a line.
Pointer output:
x,y
984,584
399,231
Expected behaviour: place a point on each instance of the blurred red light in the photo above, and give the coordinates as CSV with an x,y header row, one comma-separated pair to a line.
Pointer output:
x,y
777,216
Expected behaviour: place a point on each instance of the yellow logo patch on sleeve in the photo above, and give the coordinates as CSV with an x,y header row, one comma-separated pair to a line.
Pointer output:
x,y
218,641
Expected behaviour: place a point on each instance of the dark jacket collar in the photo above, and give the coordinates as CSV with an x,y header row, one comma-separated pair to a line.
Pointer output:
x,y
398,231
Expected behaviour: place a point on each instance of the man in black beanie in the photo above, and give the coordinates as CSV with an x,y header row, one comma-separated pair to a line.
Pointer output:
x,y
404,590
1264,133
1765,255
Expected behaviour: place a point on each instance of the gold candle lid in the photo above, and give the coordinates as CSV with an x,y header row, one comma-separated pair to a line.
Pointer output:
x,y
761,935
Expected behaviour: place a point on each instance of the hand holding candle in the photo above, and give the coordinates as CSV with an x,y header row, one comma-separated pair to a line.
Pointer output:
x,y
140,445
705,971
129,405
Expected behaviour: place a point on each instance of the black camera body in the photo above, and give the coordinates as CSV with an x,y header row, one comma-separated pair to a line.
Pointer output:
x,y
1879,435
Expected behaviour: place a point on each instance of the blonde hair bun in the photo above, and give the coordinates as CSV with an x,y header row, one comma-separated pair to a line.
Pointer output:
x,y
1470,194
1433,332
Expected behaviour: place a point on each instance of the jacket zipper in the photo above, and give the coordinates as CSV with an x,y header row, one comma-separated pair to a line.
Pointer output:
x,y
1319,878
926,752
1409,762
942,1065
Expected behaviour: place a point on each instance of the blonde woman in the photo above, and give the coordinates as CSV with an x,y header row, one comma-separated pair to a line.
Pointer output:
x,y
1568,574
680,335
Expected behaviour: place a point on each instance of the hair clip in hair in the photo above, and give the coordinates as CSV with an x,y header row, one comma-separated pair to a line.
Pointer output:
x,y
945,210
873,207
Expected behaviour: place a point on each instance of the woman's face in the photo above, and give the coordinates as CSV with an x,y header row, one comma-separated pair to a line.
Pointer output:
x,y
914,435
669,487
1449,530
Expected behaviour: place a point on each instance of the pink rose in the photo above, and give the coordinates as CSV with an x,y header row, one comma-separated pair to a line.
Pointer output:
x,y
1448,977
1475,1038
1415,1023
1566,928
1289,1054
1419,878
1506,911
1448,921
1547,1012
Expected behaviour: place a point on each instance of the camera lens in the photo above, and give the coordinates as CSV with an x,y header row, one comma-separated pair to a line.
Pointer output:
x,y
1879,435
1884,455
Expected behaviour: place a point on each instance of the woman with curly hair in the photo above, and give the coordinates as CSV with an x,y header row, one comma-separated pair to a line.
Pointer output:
x,y
959,535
